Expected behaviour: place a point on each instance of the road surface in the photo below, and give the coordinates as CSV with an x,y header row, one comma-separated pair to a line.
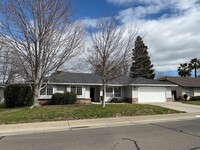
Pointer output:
x,y
177,135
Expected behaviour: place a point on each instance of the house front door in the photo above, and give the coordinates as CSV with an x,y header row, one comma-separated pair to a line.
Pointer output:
x,y
92,94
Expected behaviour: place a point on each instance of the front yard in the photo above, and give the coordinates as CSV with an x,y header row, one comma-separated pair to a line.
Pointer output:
x,y
192,102
70,112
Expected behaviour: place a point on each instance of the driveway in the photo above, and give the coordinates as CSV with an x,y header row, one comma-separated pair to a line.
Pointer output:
x,y
179,106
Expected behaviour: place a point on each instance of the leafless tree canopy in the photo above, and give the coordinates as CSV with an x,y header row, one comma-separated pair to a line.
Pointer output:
x,y
8,72
111,47
40,34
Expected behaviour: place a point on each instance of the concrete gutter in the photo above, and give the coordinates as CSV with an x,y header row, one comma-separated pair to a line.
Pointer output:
x,y
40,127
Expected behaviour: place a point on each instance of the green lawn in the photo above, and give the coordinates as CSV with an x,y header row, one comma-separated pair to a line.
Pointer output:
x,y
192,102
54,113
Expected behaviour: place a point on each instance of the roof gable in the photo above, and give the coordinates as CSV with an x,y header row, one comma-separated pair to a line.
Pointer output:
x,y
183,81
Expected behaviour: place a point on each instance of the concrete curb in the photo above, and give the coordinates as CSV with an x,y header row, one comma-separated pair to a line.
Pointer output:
x,y
29,128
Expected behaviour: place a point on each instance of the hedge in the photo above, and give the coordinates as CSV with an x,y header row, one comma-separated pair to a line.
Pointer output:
x,y
63,98
18,95
195,98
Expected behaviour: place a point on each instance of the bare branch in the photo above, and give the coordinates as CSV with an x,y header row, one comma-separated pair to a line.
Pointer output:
x,y
41,35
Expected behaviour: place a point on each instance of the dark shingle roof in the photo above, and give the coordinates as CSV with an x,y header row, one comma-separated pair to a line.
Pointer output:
x,y
137,80
183,81
68,77
87,78
141,80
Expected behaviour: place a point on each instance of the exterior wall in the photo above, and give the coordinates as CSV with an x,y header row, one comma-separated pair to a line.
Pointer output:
x,y
97,94
196,91
179,91
135,92
66,88
60,89
85,92
128,92
169,94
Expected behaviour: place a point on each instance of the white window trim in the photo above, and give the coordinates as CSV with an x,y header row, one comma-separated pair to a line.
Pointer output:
x,y
52,89
113,92
76,90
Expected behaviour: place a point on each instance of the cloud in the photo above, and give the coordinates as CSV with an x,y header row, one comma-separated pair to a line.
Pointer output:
x,y
173,35
120,2
88,22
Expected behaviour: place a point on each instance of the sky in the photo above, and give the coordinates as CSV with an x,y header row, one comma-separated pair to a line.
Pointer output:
x,y
171,28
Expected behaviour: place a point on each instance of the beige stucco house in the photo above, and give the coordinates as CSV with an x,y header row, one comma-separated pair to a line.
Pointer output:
x,y
186,85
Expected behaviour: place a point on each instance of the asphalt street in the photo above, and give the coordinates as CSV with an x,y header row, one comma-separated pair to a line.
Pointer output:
x,y
176,135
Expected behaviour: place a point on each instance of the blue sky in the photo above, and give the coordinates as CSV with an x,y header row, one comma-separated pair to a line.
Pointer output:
x,y
171,27
93,8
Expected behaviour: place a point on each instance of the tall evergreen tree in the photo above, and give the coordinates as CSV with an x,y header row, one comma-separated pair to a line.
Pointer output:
x,y
141,65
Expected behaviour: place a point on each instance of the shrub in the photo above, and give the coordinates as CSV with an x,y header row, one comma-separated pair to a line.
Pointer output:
x,y
58,99
71,98
116,100
63,98
18,95
185,96
195,98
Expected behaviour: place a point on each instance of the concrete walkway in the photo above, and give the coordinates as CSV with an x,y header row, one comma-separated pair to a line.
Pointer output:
x,y
28,128
179,106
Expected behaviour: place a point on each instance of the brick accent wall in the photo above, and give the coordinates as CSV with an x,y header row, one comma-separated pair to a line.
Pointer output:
x,y
83,101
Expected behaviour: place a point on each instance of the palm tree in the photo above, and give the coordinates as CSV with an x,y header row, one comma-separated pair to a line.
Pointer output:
x,y
194,65
184,70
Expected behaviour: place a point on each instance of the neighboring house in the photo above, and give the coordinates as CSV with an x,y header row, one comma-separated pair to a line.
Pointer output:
x,y
2,86
186,85
88,87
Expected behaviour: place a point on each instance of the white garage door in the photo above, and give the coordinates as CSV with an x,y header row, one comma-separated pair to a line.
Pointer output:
x,y
151,94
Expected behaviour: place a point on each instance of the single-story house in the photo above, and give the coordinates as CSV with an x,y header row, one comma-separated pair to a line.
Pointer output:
x,y
186,85
88,87
2,86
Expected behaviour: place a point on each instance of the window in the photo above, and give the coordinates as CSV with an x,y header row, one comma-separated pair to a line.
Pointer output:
x,y
73,89
117,91
109,91
189,91
79,90
49,90
113,91
76,90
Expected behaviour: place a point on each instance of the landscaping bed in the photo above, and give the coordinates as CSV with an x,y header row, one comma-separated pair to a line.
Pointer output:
x,y
192,102
71,112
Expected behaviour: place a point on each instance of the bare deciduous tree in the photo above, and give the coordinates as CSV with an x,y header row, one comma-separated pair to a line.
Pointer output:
x,y
8,71
110,49
41,35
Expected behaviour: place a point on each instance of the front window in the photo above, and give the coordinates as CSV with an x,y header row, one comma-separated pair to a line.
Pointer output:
x,y
79,90
117,91
113,91
49,90
109,91
73,89
76,90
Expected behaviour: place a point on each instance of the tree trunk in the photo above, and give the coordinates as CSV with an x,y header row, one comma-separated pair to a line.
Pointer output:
x,y
195,71
36,93
104,95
